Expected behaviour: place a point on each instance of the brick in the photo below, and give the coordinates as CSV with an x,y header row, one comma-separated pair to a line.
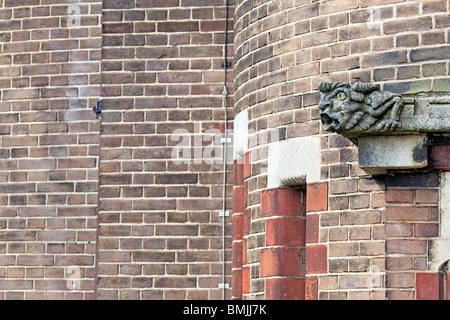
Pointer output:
x,y
239,196
144,256
37,164
399,230
237,248
430,6
157,3
18,236
354,281
119,4
427,196
413,180
426,230
35,260
316,259
442,20
238,173
385,58
312,228
337,6
16,284
399,196
407,213
187,26
415,24
343,249
247,165
279,262
427,286
360,218
422,54
342,186
199,256
285,289
37,211
236,284
317,197
286,232
312,288
440,155
280,202
406,246
304,12
23,94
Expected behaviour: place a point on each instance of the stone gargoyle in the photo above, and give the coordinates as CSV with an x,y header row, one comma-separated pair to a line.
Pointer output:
x,y
358,107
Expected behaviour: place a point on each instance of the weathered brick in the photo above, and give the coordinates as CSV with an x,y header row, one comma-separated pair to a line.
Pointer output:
x,y
316,259
386,58
280,262
415,24
440,53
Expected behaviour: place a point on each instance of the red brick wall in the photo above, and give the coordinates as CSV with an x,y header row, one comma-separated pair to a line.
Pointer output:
x,y
49,79
160,234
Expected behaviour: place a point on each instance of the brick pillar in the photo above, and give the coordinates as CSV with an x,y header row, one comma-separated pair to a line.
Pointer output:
x,y
432,286
427,286
246,171
316,254
281,262
239,196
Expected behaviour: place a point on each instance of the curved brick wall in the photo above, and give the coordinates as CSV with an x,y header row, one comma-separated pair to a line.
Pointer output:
x,y
283,49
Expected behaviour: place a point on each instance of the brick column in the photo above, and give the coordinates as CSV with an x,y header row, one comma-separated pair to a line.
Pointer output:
x,y
282,261
239,196
316,254
246,227
427,286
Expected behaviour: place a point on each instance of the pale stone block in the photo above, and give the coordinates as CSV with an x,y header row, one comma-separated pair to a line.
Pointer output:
x,y
294,162
377,154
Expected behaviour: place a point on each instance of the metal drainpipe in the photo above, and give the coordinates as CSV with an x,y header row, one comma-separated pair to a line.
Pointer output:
x,y
225,146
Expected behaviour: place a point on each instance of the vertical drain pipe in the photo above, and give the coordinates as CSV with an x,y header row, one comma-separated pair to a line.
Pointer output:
x,y
225,146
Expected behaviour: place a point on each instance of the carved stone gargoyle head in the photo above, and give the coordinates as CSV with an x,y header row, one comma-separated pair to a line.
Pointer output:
x,y
358,107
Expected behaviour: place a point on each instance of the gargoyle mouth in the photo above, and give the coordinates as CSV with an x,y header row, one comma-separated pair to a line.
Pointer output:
x,y
329,123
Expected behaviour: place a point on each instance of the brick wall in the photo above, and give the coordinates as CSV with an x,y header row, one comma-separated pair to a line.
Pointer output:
x,y
412,218
283,49
49,78
160,234
127,207
157,65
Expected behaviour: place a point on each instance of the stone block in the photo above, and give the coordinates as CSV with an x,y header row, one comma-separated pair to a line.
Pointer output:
x,y
377,154
294,162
